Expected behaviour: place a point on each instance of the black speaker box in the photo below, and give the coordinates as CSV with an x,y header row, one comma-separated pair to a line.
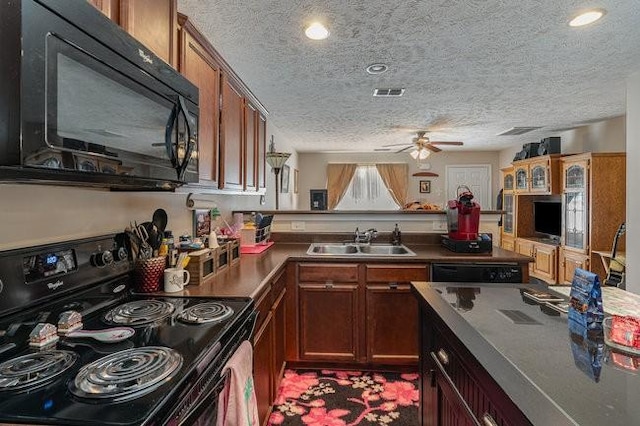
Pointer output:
x,y
531,149
549,146
520,155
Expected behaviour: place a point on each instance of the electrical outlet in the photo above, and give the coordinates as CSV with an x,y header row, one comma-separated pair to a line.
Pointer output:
x,y
439,225
297,226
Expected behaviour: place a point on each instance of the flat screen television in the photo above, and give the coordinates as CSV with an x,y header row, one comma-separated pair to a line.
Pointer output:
x,y
547,217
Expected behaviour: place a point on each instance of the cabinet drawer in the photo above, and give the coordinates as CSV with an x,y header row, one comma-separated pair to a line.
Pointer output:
x,y
396,273
314,272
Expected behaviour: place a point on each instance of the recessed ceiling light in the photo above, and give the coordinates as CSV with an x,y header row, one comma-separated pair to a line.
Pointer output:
x,y
377,68
587,17
316,31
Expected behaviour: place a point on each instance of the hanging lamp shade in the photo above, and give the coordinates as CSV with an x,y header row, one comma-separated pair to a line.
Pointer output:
x,y
276,159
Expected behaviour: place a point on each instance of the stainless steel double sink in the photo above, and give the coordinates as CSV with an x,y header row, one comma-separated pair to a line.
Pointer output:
x,y
336,249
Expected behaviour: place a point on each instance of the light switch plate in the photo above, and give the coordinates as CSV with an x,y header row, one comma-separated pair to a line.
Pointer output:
x,y
297,226
439,225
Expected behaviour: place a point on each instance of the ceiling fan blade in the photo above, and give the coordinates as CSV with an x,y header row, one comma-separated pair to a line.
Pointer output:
x,y
404,149
396,144
456,143
432,148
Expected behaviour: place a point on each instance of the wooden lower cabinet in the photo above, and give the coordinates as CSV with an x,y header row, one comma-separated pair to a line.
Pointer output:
x,y
545,259
455,388
508,243
328,322
262,367
269,342
569,261
358,313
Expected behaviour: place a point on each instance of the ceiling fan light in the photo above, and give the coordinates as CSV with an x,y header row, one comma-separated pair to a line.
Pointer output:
x,y
414,154
424,154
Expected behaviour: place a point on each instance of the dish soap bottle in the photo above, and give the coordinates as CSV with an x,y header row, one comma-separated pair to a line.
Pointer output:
x,y
396,236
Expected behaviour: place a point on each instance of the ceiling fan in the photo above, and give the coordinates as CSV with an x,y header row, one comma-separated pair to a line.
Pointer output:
x,y
422,146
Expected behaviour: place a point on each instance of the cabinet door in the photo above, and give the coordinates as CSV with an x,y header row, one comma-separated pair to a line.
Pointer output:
x,y
545,265
508,243
250,147
231,129
200,68
575,205
508,180
508,219
262,367
392,324
539,177
280,330
522,178
262,152
525,247
154,24
328,322
569,261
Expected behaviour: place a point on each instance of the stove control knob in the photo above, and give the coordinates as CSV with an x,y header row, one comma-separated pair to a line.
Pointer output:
x,y
121,254
102,259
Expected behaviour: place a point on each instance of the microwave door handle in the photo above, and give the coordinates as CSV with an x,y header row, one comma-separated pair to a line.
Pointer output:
x,y
168,140
191,144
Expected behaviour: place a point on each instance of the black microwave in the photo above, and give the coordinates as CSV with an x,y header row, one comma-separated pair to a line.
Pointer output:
x,y
84,103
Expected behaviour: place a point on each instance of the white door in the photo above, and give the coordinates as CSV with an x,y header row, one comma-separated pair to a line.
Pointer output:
x,y
476,177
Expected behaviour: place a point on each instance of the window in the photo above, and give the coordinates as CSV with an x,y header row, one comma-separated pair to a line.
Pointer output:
x,y
367,191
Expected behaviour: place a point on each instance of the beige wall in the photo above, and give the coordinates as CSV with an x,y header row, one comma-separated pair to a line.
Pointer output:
x,y
314,166
633,177
602,136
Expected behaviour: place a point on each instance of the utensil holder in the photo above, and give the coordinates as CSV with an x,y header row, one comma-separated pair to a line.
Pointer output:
x,y
148,274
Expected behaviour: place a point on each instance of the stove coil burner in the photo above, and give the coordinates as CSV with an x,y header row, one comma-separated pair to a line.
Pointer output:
x,y
36,369
207,312
126,374
139,312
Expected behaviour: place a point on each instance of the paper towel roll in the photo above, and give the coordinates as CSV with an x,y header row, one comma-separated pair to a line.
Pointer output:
x,y
200,201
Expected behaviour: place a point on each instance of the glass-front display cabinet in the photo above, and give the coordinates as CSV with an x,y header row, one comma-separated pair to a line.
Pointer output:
x,y
575,205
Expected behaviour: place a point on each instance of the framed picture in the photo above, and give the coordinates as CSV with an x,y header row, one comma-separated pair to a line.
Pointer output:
x,y
201,223
295,181
425,186
318,199
284,176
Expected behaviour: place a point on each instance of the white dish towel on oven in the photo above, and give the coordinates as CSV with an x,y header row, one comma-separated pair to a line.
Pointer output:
x,y
237,404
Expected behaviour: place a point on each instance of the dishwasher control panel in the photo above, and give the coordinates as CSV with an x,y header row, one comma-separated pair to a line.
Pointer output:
x,y
477,272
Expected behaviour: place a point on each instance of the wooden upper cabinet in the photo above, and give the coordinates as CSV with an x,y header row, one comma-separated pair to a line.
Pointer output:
x,y
231,137
153,23
197,64
262,152
250,147
108,7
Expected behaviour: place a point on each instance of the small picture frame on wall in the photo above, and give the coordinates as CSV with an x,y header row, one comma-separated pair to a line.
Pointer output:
x,y
284,183
296,177
425,186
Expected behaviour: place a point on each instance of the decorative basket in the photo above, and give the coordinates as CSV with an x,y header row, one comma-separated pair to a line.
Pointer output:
x,y
148,274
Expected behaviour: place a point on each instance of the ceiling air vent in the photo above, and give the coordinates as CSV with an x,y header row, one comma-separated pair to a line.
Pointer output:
x,y
518,131
388,93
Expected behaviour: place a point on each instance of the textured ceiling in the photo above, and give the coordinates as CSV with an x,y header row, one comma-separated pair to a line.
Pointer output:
x,y
471,68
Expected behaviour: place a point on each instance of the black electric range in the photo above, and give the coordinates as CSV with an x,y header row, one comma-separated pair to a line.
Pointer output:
x,y
164,368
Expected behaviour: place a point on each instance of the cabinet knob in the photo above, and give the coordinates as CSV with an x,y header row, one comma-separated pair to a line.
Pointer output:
x,y
328,284
443,356
393,286
487,420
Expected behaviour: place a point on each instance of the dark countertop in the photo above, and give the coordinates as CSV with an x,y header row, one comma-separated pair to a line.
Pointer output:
x,y
537,364
248,277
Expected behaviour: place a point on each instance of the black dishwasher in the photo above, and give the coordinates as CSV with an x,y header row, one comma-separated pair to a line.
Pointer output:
x,y
476,272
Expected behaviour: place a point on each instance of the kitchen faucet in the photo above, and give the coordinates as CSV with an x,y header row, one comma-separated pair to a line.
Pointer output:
x,y
366,236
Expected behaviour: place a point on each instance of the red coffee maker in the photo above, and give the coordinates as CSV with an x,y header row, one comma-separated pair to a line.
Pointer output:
x,y
463,216
463,221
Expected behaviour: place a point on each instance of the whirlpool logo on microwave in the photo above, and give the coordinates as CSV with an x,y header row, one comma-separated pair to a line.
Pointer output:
x,y
57,284
145,57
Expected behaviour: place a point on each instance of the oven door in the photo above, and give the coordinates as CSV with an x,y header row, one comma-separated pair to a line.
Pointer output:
x,y
90,109
200,405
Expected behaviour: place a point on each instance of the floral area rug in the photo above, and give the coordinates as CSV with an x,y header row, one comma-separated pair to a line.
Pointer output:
x,y
346,398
